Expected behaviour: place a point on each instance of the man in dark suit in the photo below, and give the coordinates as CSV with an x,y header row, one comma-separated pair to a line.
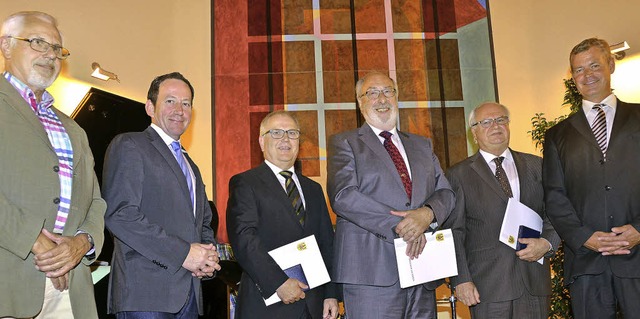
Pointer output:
x,y
383,183
158,213
51,213
510,284
591,182
261,217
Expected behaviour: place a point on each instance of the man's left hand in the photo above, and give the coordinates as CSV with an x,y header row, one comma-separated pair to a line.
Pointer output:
x,y
65,256
414,223
625,233
330,308
536,248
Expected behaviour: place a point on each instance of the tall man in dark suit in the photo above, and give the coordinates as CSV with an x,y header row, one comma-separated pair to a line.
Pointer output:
x,y
591,182
383,183
261,217
158,213
510,284
51,213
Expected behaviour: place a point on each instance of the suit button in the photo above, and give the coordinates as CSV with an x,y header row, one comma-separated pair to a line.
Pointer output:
x,y
56,200
56,168
607,188
407,204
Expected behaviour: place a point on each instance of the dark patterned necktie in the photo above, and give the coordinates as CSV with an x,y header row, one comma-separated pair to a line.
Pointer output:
x,y
398,161
294,195
501,175
599,127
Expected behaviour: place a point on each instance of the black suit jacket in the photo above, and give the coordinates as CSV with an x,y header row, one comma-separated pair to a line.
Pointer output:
x,y
585,193
499,275
260,218
151,216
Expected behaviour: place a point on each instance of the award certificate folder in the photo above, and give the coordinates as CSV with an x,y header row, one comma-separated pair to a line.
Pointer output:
x,y
525,232
301,260
437,261
518,214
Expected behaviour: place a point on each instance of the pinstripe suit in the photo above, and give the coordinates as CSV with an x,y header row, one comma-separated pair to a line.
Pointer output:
x,y
492,266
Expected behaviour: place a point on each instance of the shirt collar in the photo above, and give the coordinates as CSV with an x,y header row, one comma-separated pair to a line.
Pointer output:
x,y
488,157
26,92
276,170
164,136
610,101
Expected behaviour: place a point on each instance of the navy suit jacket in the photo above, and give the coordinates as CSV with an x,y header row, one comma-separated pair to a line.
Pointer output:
x,y
150,214
260,218
585,193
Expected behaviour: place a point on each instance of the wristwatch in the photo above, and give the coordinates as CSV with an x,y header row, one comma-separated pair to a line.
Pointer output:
x,y
550,252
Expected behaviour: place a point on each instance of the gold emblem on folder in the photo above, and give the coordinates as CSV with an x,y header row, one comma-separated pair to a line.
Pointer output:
x,y
302,246
439,237
511,240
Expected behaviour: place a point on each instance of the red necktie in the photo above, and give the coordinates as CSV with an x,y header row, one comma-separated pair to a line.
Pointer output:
x,y
398,161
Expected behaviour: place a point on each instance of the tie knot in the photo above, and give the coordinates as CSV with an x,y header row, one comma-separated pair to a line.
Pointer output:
x,y
386,135
499,160
599,107
286,174
175,145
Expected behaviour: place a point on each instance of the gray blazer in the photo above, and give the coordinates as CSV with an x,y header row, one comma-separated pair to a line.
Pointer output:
x,y
585,194
364,186
499,275
29,186
151,217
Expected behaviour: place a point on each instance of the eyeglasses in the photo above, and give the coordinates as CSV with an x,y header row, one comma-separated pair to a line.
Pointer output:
x,y
374,94
486,123
279,133
43,46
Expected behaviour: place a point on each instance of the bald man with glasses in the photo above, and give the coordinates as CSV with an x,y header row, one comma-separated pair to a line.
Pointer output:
x,y
270,206
493,279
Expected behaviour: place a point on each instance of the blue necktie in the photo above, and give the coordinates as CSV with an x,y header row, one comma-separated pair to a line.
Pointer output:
x,y
182,161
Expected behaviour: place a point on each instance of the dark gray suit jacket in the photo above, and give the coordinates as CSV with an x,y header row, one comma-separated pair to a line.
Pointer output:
x,y
151,217
260,218
364,186
584,193
476,221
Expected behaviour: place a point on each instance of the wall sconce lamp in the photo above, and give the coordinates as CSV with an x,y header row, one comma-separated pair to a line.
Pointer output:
x,y
618,49
102,74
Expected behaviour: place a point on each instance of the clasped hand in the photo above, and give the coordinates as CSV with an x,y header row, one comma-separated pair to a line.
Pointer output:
x,y
619,241
202,260
56,255
412,227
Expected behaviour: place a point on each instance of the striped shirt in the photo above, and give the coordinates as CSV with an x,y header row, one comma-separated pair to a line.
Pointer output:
x,y
59,140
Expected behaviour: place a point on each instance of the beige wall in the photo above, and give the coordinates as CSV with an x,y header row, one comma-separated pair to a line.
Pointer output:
x,y
532,41
137,40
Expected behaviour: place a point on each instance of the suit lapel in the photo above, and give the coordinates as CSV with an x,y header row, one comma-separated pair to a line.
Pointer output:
x,y
417,169
524,176
272,184
580,123
167,155
24,110
480,166
368,137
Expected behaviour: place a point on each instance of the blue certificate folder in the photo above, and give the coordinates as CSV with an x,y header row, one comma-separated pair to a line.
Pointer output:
x,y
526,232
296,272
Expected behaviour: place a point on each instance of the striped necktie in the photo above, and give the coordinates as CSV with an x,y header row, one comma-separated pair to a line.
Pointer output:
x,y
294,195
599,127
